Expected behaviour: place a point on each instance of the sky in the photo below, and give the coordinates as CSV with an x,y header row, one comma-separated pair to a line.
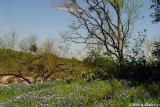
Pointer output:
x,y
39,17
29,17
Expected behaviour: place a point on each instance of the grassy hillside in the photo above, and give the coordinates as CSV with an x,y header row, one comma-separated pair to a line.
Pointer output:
x,y
77,94
11,61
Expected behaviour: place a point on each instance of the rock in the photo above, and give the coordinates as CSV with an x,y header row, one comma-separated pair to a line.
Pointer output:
x,y
25,82
39,80
31,79
5,79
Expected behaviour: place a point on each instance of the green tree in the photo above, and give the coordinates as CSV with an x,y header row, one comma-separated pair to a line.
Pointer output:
x,y
156,51
156,11
33,48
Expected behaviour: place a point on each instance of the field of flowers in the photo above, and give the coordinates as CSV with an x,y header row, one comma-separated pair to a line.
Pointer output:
x,y
76,94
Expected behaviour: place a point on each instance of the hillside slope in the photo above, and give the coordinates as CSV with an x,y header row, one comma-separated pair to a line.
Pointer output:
x,y
15,61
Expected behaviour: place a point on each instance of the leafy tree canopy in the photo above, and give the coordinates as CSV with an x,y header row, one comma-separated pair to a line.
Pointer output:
x,y
156,14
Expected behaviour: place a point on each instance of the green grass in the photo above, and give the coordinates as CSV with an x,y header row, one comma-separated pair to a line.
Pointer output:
x,y
75,94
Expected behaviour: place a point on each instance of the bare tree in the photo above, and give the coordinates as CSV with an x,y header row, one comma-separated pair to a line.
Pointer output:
x,y
107,22
48,46
13,40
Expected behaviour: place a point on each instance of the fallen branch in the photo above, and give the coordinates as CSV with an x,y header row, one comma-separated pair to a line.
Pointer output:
x,y
19,75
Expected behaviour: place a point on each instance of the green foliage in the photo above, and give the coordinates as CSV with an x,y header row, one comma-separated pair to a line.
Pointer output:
x,y
121,2
138,94
33,48
116,87
34,64
156,51
69,80
154,90
156,11
102,65
135,67
78,93
7,59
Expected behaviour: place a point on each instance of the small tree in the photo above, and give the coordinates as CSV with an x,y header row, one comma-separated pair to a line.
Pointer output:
x,y
33,48
102,65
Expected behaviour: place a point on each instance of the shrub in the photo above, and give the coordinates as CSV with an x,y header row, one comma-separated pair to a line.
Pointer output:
x,y
154,90
69,80
115,90
138,94
11,80
102,65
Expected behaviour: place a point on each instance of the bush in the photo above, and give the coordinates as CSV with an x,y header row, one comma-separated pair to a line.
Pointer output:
x,y
69,80
135,69
154,90
11,80
102,65
116,89
138,94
